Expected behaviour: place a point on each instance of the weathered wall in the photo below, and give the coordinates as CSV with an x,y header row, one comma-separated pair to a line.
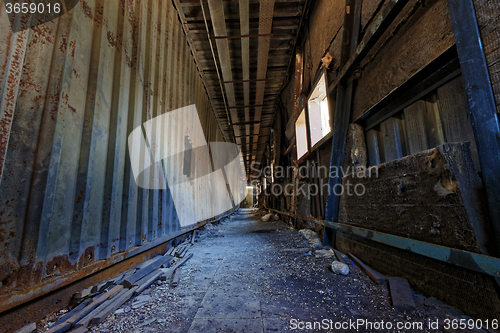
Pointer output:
x,y
417,36
73,89
404,200
472,292
488,20
433,196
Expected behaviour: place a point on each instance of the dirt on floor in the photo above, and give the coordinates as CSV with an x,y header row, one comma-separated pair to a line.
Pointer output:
x,y
248,275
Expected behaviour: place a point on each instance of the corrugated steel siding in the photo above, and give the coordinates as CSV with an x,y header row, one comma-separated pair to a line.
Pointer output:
x,y
72,91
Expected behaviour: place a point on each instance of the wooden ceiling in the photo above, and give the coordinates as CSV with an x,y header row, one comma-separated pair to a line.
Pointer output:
x,y
243,50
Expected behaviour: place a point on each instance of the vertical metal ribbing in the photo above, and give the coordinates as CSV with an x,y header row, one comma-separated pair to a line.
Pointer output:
x,y
18,232
122,173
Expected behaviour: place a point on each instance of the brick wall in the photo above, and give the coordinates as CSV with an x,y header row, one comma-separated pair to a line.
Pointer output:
x,y
473,293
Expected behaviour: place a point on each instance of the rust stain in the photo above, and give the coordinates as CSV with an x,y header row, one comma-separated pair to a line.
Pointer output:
x,y
89,255
8,271
13,78
59,264
111,39
79,198
64,45
36,275
99,10
72,47
87,11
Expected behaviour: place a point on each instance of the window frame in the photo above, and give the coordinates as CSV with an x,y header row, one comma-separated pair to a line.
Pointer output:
x,y
308,142
322,72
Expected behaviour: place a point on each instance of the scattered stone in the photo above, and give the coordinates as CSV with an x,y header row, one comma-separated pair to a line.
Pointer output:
x,y
339,268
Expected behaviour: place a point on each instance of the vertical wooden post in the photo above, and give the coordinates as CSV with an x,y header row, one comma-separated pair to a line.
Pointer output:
x,y
481,102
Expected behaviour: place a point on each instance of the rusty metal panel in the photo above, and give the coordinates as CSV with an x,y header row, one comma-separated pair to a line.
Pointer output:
x,y
73,89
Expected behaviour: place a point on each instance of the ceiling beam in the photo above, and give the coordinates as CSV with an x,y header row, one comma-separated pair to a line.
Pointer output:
x,y
216,8
266,13
245,59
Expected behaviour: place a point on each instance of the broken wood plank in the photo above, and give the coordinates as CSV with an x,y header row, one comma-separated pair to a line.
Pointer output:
x,y
145,282
127,275
338,255
168,263
193,237
401,294
167,273
129,281
183,261
113,305
107,285
27,329
80,330
171,251
77,309
66,325
373,274
184,251
177,276
84,322
179,249
146,263
95,302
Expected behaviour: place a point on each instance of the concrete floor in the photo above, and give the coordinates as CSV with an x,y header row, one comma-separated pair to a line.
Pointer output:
x,y
247,275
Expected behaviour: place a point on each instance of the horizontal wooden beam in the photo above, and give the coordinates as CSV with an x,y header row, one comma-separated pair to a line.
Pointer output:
x,y
242,81
240,36
246,123
246,106
469,260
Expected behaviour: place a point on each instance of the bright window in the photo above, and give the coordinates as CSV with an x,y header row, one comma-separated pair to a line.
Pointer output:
x,y
301,134
319,112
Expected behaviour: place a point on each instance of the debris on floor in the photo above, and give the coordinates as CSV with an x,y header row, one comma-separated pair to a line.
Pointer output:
x,y
93,305
270,217
259,277
252,276
340,268
312,237
373,274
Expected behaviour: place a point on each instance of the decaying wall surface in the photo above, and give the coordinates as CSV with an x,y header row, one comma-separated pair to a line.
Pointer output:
x,y
418,35
488,20
470,291
73,89
431,195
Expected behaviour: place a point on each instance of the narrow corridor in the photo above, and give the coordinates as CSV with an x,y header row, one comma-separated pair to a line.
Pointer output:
x,y
247,275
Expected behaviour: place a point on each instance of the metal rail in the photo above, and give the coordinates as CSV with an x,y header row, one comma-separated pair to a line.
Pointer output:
x,y
469,260
57,295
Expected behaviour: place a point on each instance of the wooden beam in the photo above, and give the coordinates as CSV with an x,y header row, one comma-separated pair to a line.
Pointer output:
x,y
240,36
246,106
352,23
373,274
129,282
401,294
243,81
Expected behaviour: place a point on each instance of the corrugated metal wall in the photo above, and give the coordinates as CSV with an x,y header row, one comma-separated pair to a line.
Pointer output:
x,y
72,91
